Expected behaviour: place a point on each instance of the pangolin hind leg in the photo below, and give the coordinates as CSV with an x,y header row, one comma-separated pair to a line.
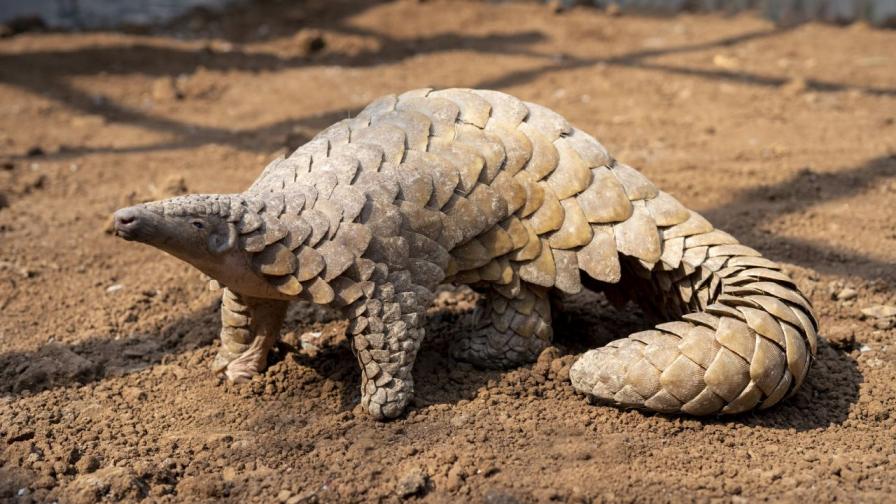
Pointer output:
x,y
249,329
508,331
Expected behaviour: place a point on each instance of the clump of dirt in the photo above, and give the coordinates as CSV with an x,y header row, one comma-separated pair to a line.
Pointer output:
x,y
785,138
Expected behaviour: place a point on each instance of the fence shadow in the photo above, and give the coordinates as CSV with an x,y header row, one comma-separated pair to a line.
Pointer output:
x,y
796,195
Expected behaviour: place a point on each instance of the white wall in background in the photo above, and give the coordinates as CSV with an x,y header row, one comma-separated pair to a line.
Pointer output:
x,y
101,13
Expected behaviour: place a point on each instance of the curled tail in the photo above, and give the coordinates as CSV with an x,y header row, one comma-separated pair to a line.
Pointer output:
x,y
744,336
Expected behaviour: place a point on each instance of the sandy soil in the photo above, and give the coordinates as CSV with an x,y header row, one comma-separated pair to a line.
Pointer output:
x,y
786,138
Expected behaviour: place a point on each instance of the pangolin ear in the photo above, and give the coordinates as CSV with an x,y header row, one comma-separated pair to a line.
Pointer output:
x,y
219,243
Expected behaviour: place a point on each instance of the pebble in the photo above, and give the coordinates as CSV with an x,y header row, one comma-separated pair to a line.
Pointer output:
x,y
880,311
164,89
307,339
114,288
413,482
847,294
884,324
725,61
795,86
219,46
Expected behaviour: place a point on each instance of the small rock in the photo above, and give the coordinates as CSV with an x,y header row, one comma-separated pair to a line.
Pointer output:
x,y
880,311
284,495
164,89
220,46
413,483
309,340
726,62
795,86
114,288
847,294
885,323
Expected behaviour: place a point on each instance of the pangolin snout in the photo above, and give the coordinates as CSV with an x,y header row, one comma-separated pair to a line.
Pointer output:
x,y
129,221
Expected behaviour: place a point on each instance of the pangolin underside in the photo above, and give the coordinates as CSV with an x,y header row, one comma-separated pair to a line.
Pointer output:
x,y
477,187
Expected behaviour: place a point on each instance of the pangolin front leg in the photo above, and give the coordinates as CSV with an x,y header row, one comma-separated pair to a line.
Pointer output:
x,y
249,329
387,332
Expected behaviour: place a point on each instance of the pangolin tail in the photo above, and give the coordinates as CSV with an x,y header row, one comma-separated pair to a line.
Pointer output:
x,y
742,335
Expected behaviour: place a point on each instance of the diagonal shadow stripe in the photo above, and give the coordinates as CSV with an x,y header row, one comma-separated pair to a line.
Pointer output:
x,y
572,63
796,195
54,66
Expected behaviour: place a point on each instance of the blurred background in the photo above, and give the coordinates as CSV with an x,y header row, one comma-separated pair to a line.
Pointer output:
x,y
101,13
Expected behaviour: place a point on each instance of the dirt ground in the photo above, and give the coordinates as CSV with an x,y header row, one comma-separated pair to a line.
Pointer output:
x,y
784,137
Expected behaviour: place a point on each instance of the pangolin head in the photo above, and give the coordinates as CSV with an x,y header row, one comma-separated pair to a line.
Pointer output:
x,y
201,229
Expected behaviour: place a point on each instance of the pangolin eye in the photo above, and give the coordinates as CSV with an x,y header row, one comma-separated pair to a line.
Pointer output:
x,y
198,224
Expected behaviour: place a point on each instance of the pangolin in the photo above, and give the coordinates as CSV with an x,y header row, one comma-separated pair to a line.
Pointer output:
x,y
476,187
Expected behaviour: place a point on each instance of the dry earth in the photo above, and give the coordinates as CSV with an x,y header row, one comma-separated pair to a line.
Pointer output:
x,y
786,138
